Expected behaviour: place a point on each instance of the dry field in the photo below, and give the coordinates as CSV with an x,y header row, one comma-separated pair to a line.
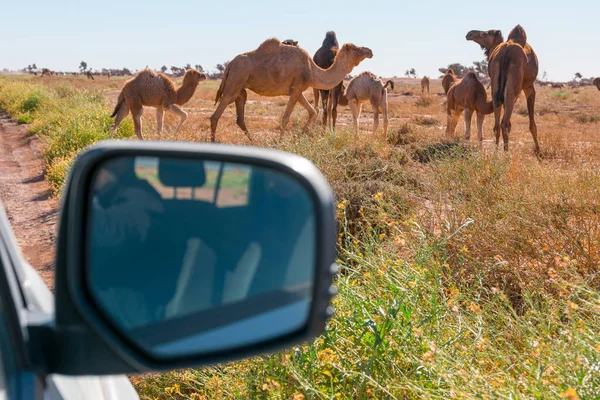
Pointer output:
x,y
466,273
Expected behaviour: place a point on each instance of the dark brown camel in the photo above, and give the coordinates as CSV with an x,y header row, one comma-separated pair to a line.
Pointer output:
x,y
511,70
330,98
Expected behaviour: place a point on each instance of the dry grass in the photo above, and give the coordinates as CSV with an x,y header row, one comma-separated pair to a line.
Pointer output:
x,y
466,273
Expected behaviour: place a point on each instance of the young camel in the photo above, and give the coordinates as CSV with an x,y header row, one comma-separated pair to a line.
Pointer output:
x,y
513,67
597,83
365,87
468,95
324,58
425,84
448,80
275,69
153,89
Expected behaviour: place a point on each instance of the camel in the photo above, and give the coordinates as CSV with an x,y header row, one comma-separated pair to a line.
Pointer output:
x,y
365,87
597,83
275,69
513,67
324,58
45,72
90,75
425,84
153,89
468,95
448,80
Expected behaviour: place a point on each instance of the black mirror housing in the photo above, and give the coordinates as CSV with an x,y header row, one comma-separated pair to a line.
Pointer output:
x,y
83,340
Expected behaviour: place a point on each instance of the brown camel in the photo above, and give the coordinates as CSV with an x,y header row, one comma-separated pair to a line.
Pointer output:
x,y
275,69
324,58
468,95
367,86
90,75
45,72
448,80
513,67
425,84
153,89
597,83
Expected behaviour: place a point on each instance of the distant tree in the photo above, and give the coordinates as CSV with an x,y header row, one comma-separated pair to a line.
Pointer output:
x,y
481,68
163,69
29,68
459,69
411,73
545,76
199,67
187,66
83,66
34,66
578,76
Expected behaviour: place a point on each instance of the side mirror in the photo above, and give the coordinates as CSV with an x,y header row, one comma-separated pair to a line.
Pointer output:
x,y
178,255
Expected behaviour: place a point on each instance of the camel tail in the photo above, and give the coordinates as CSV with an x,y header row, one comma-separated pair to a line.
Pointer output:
x,y
222,85
120,103
504,62
390,83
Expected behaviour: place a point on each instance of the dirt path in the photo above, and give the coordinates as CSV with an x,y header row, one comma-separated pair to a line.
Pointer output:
x,y
26,196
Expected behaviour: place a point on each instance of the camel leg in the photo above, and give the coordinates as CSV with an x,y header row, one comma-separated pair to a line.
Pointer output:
x,y
137,112
285,119
497,113
355,114
226,100
312,114
452,123
316,95
375,107
182,116
330,120
530,94
121,114
160,113
509,104
384,110
240,106
480,119
468,117
334,100
325,105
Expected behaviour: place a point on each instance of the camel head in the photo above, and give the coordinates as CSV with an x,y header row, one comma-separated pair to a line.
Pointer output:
x,y
597,83
193,77
486,39
354,54
330,40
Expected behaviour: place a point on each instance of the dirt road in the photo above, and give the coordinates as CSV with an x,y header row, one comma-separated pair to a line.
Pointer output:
x,y
26,196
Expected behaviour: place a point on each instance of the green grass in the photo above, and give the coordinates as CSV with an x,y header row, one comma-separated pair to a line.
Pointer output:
x,y
68,120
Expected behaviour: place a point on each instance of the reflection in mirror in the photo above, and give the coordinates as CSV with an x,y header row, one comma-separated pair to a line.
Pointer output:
x,y
191,257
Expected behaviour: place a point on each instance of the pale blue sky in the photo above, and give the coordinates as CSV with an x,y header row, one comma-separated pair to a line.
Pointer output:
x,y
421,34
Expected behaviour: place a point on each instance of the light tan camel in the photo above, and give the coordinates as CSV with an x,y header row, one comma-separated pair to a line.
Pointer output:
x,y
448,80
425,84
513,67
367,86
597,83
275,69
468,95
153,89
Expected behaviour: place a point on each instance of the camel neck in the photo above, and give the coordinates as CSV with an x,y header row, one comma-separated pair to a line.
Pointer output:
x,y
330,78
185,92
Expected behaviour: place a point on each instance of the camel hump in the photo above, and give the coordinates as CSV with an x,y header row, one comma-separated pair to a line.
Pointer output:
x,y
518,35
269,46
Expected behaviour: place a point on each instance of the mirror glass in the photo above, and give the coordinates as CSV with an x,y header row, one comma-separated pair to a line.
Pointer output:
x,y
190,257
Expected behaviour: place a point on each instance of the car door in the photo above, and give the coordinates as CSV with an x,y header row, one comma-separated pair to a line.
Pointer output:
x,y
17,381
